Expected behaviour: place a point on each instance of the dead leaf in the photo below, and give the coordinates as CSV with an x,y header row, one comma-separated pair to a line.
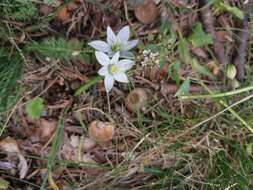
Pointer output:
x,y
6,165
88,158
88,144
43,131
10,145
74,141
63,14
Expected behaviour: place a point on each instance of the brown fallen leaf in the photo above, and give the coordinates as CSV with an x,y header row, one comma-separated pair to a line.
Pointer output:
x,y
43,131
10,146
146,11
63,14
74,151
88,144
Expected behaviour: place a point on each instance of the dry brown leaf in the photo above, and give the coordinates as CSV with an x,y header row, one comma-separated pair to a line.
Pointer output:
x,y
10,145
63,14
74,141
88,158
43,131
88,144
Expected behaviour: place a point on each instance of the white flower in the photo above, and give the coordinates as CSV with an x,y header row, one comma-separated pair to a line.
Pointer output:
x,y
150,58
113,69
116,43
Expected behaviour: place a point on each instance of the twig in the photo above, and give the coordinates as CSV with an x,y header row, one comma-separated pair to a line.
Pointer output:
x,y
207,19
244,40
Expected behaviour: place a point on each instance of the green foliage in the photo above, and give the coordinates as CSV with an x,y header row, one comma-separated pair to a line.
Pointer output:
x,y
184,88
201,69
34,108
58,49
174,71
199,38
4,184
20,10
184,51
11,67
52,2
233,167
219,6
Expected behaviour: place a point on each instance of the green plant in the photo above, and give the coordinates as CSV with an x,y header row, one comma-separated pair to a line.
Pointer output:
x,y
219,6
199,38
34,108
17,9
11,67
58,49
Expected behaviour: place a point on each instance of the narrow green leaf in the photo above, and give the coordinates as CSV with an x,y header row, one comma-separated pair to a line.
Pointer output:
x,y
184,51
201,69
174,71
233,10
219,6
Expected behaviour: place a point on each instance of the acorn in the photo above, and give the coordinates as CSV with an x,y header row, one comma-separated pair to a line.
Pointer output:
x,y
136,100
101,131
145,11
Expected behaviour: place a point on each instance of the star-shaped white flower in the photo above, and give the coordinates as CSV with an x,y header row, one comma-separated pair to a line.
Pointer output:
x,y
116,43
113,69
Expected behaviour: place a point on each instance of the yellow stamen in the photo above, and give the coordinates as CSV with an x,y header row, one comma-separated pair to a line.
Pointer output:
x,y
113,69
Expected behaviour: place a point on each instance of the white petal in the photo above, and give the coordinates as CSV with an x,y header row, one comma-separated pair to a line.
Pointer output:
x,y
103,71
125,64
111,37
131,44
115,58
124,34
127,54
100,45
111,53
109,81
102,58
121,77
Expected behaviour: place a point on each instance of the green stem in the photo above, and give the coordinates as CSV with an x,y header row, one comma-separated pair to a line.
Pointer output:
x,y
230,93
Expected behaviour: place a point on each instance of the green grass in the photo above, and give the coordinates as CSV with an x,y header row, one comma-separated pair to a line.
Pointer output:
x,y
200,141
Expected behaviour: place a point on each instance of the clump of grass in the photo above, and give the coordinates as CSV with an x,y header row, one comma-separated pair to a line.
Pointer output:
x,y
11,67
58,48
18,10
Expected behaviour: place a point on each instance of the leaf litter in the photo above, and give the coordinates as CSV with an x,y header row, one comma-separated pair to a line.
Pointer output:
x,y
145,145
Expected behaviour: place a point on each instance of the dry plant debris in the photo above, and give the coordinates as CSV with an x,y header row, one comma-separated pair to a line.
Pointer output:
x,y
179,117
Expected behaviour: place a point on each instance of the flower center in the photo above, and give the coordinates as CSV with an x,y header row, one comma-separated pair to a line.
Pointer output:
x,y
113,69
116,47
